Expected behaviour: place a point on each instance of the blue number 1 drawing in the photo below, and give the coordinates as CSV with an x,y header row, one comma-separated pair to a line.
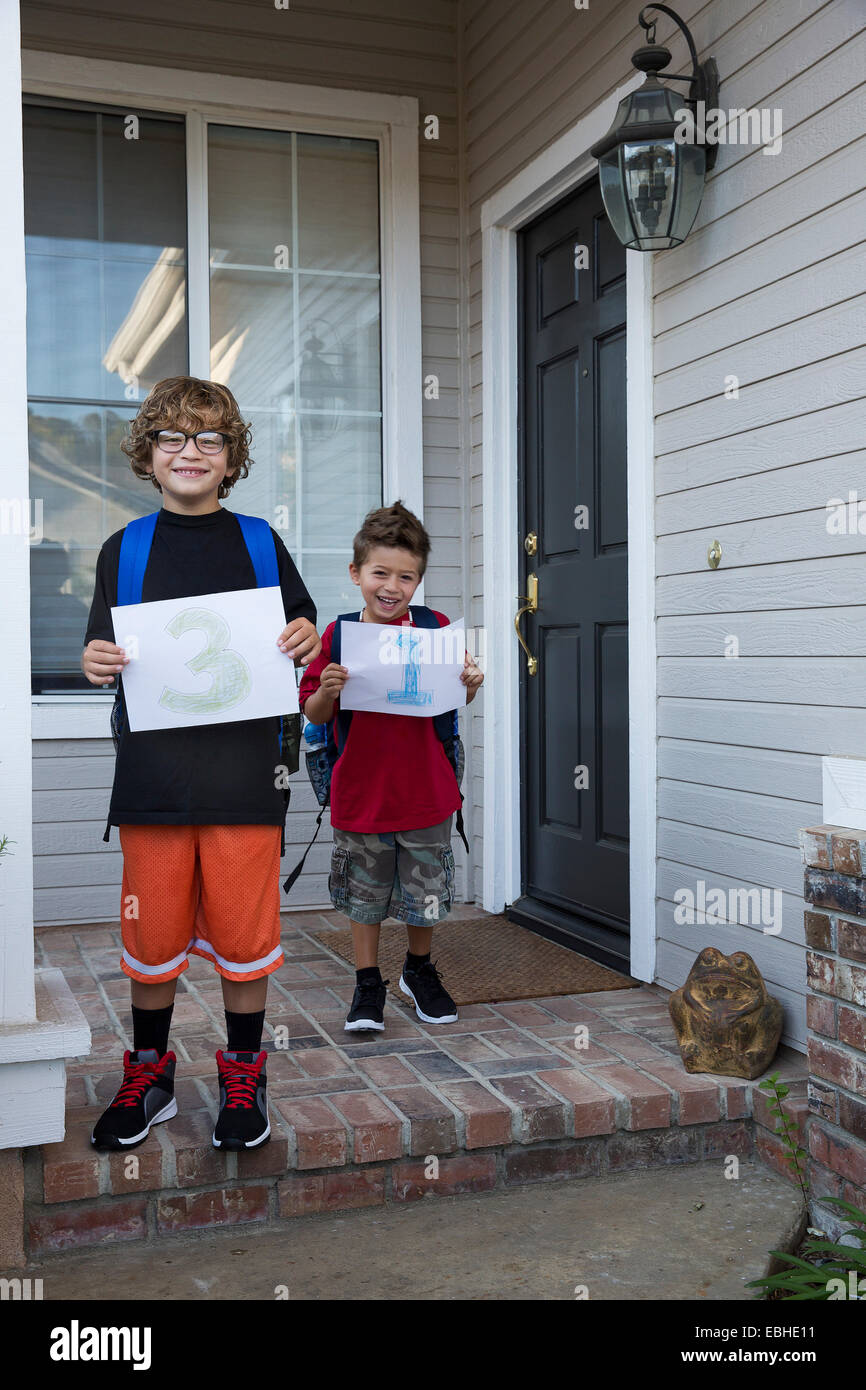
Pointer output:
x,y
409,694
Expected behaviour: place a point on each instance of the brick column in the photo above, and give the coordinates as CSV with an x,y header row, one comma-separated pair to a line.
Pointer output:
x,y
835,923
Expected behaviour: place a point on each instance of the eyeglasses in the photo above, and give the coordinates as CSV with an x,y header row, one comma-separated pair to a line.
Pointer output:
x,y
172,441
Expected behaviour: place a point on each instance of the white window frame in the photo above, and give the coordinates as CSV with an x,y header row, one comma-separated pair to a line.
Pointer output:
x,y
390,120
543,181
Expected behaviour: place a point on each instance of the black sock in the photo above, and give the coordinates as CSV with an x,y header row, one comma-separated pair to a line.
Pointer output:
x,y
150,1028
368,972
415,962
244,1031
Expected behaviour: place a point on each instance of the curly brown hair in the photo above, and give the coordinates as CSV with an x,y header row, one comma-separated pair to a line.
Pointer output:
x,y
395,526
187,402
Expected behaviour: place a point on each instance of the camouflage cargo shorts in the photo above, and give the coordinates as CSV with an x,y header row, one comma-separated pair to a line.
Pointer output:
x,y
407,874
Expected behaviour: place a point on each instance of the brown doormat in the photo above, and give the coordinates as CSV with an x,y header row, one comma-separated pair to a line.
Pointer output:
x,y
484,960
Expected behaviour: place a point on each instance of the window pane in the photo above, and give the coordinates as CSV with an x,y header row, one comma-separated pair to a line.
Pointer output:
x,y
338,189
295,334
250,194
105,225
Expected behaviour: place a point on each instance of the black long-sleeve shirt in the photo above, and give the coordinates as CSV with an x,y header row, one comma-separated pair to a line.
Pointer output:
x,y
211,774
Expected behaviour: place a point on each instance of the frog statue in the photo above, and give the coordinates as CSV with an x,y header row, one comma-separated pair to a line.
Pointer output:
x,y
724,1018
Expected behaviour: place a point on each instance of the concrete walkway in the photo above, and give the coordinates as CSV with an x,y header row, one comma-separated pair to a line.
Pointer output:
x,y
679,1233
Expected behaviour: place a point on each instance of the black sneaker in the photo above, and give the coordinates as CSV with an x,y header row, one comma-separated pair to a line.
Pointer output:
x,y
424,987
243,1119
146,1097
368,1006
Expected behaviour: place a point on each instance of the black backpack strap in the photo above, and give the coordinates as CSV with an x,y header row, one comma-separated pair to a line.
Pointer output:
x,y
460,831
343,716
289,882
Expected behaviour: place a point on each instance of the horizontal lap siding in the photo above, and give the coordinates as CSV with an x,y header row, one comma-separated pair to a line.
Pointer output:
x,y
377,45
760,662
771,287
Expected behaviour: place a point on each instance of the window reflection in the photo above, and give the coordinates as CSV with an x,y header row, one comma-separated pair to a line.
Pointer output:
x,y
295,334
105,224
295,331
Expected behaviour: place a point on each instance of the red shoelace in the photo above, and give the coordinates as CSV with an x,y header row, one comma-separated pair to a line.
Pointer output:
x,y
240,1080
137,1076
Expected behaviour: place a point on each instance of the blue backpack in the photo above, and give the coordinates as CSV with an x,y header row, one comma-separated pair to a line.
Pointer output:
x,y
327,741
135,549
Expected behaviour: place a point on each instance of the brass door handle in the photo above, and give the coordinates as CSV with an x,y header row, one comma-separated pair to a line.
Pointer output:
x,y
530,605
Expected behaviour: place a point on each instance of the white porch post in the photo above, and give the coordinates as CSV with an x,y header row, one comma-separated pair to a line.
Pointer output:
x,y
17,999
40,1023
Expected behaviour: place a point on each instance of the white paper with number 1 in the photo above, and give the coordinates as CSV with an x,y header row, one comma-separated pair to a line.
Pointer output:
x,y
400,669
211,659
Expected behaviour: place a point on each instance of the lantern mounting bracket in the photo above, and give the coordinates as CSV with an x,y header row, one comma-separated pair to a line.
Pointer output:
x,y
703,80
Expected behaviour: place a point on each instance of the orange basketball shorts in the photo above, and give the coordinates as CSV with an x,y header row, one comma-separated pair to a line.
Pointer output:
x,y
212,890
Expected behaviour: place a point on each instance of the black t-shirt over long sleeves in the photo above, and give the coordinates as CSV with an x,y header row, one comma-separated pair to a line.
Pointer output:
x,y
212,774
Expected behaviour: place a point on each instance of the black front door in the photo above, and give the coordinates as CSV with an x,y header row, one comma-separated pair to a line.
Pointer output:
x,y
573,539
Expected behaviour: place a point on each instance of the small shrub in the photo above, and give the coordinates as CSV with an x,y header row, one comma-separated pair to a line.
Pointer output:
x,y
805,1279
786,1129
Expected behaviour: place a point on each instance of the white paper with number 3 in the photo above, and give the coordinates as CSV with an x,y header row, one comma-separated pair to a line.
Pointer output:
x,y
211,659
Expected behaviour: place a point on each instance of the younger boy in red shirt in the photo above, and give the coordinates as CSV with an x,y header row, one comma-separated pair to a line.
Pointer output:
x,y
393,790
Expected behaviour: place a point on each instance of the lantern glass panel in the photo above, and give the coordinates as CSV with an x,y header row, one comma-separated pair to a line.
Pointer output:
x,y
614,197
663,183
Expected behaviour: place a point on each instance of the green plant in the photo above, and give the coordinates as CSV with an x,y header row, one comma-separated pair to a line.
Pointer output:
x,y
804,1279
786,1129
4,841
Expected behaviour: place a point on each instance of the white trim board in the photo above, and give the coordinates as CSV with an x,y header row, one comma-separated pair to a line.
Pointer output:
x,y
392,121
553,173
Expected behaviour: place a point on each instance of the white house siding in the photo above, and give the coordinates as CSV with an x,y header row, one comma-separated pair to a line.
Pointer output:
x,y
375,45
770,287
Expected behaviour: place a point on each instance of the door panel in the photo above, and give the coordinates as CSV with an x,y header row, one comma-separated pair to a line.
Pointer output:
x,y
572,494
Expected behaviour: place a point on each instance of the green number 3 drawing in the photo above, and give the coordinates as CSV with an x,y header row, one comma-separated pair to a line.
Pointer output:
x,y
232,681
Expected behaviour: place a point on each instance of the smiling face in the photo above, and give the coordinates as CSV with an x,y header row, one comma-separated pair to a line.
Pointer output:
x,y
190,477
388,579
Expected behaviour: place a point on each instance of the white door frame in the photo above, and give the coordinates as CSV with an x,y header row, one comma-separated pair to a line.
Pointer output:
x,y
559,168
393,121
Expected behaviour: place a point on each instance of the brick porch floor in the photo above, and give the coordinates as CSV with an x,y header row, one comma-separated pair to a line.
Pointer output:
x,y
500,1097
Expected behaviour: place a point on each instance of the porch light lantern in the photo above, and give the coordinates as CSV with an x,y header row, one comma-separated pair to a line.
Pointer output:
x,y
651,183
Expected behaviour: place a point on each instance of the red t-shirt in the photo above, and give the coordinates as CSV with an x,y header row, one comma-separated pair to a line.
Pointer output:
x,y
393,773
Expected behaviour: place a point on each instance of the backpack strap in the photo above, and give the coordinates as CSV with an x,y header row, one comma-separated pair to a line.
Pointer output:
x,y
338,727
263,552
135,546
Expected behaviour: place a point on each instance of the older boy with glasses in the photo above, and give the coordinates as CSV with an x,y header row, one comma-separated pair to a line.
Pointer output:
x,y
200,810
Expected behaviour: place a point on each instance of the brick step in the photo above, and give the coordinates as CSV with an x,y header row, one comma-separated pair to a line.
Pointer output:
x,y
177,1182
250,1190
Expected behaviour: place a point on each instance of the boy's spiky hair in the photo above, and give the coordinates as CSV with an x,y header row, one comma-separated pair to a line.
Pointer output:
x,y
395,526
187,402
